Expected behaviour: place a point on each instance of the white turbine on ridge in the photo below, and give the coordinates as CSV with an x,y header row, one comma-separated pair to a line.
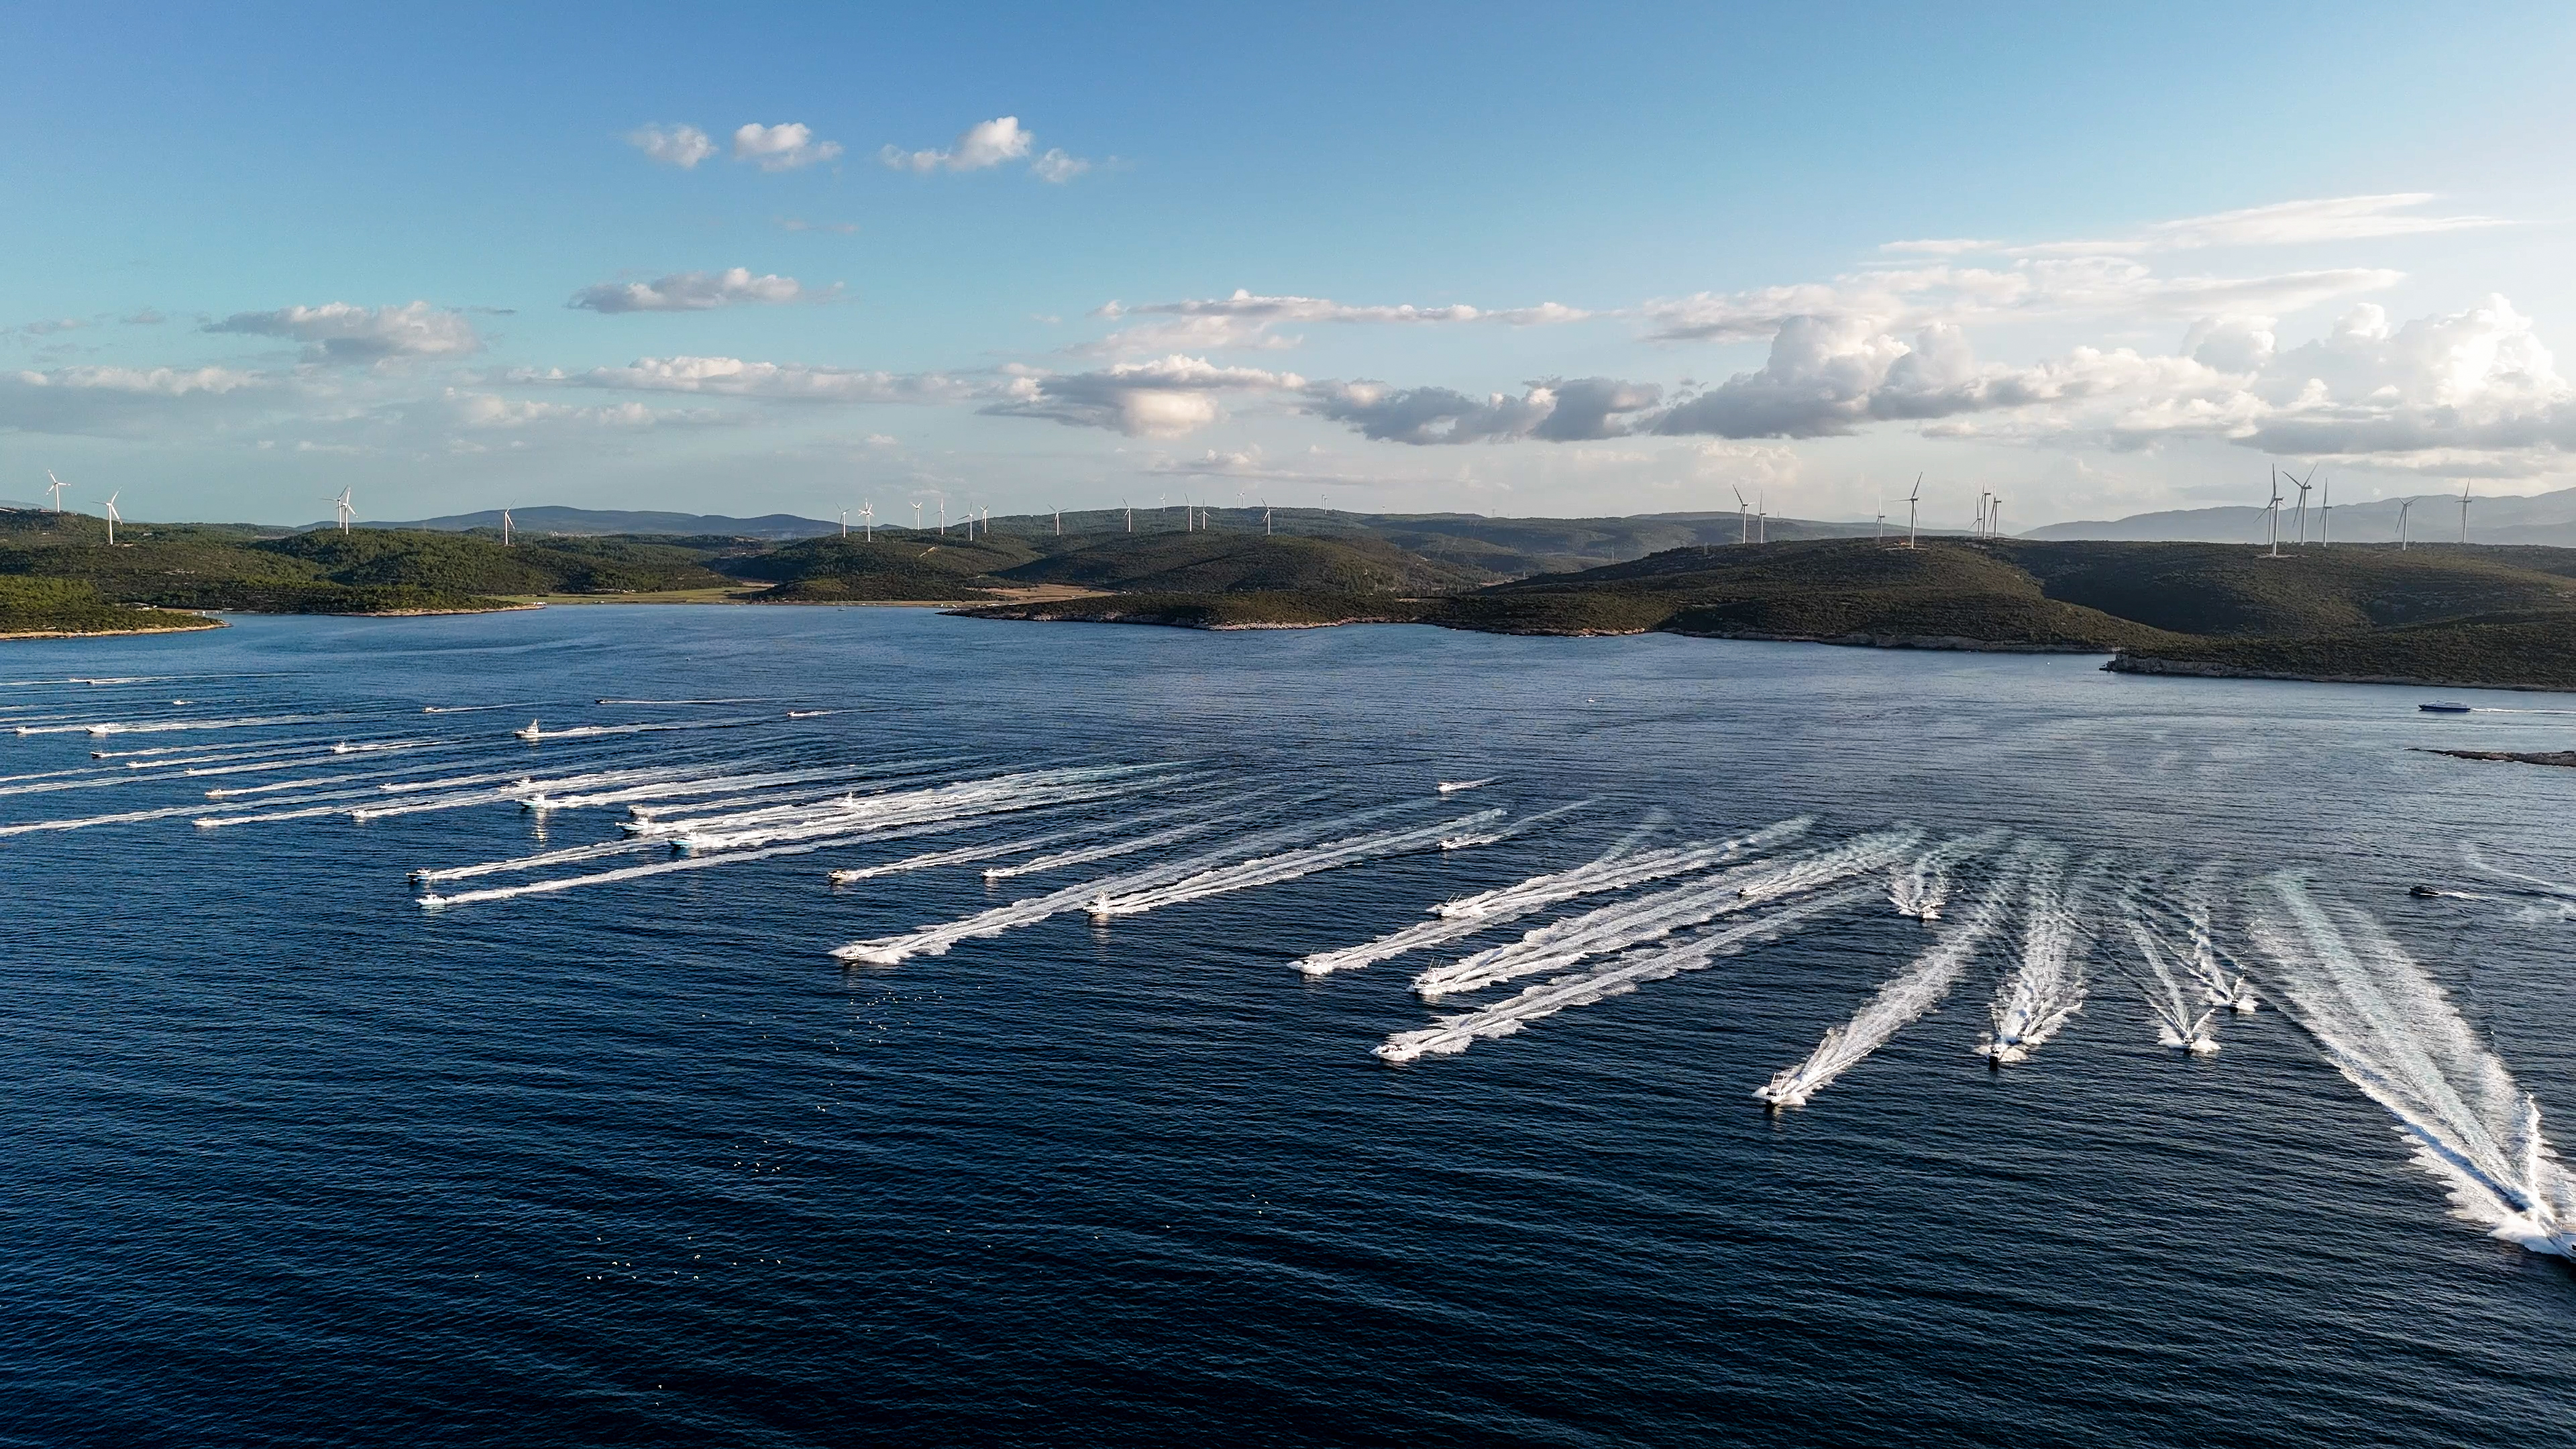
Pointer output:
x,y
340,508
1912,500
114,517
56,487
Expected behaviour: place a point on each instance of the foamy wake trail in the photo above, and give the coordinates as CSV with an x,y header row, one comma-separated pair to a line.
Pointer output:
x,y
1271,870
632,872
1618,868
1906,997
2181,1023
466,708
1624,924
2384,1023
2546,887
1922,888
1111,849
1455,1034
1006,794
639,845
167,726
585,732
209,753
2221,976
857,783
1521,826
730,699
968,854
935,940
235,792
705,785
1615,869
521,789
2047,987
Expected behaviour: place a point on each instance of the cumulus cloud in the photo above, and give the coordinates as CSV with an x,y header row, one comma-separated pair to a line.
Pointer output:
x,y
1160,399
124,401
771,381
984,145
1244,306
341,332
1555,410
781,148
485,411
1906,299
1187,334
1058,166
681,146
696,292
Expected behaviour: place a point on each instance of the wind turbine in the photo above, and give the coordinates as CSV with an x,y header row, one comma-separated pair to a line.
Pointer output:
x,y
868,518
505,528
916,515
1129,512
1743,519
2325,510
943,517
845,523
57,486
1265,518
340,506
1911,500
1881,535
1059,523
114,517
2302,486
1761,515
2272,512
2464,512
1994,513
2404,505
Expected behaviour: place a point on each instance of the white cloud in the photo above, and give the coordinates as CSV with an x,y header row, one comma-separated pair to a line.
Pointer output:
x,y
1058,166
1160,399
772,381
342,332
485,411
681,146
2284,223
125,401
1245,306
981,146
1187,334
1912,298
696,292
781,148
1555,410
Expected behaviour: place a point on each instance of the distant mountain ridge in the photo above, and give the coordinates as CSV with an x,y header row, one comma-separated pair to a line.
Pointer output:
x,y
596,522
2542,518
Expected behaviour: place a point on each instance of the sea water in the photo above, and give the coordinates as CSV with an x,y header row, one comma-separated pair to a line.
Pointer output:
x,y
294,1159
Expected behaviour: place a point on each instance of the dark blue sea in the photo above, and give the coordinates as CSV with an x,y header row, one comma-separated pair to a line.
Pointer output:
x,y
293,1160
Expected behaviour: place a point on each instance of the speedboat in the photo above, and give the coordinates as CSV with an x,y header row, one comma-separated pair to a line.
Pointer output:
x,y
2443,706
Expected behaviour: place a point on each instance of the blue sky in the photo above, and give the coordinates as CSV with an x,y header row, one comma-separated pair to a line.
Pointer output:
x,y
1506,259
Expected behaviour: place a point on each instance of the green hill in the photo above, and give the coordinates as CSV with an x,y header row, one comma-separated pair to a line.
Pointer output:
x,y
1217,562
36,608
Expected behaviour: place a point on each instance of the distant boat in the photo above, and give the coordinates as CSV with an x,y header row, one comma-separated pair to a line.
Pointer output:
x,y
2443,706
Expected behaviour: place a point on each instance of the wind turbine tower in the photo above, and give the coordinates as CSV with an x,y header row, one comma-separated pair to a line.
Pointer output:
x,y
1911,509
1761,516
2404,506
845,523
1881,535
56,484
916,515
114,517
340,506
2464,513
505,528
868,518
1743,518
1265,518
2272,514
2325,510
2302,485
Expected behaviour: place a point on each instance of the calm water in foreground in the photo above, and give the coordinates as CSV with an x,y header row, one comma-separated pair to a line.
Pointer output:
x,y
293,1160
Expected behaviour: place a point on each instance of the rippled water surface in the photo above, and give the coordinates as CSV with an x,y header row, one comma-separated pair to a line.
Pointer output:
x,y
294,1160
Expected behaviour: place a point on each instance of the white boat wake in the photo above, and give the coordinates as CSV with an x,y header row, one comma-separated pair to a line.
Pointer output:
x,y
1627,923
1618,868
2181,1023
1922,888
2047,988
1906,997
1455,1034
1271,870
2384,1023
935,940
